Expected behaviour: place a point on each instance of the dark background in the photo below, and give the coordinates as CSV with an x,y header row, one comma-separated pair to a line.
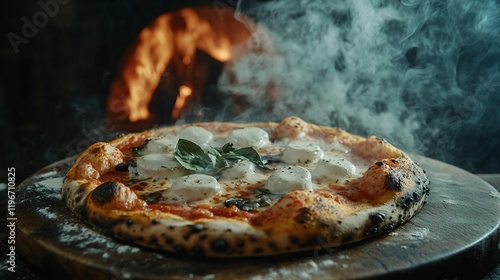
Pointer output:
x,y
53,90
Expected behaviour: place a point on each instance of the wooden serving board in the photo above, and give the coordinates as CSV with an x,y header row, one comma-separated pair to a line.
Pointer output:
x,y
455,236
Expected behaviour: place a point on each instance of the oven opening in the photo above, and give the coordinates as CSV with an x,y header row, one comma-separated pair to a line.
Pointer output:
x,y
172,69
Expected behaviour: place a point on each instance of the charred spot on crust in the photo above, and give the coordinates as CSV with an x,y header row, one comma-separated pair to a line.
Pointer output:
x,y
202,236
394,181
219,245
79,198
389,227
374,221
79,195
304,216
294,239
104,193
376,218
240,243
405,202
193,229
153,240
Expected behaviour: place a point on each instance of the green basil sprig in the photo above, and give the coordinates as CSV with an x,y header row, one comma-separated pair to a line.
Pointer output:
x,y
193,158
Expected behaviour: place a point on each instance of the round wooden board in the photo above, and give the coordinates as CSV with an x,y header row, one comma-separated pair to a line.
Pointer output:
x,y
456,234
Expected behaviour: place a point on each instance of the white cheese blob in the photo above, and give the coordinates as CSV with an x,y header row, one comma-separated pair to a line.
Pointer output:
x,y
288,179
243,169
300,152
193,188
197,135
159,166
336,169
162,145
249,137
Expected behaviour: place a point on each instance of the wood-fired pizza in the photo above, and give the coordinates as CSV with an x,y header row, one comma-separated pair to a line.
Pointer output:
x,y
244,189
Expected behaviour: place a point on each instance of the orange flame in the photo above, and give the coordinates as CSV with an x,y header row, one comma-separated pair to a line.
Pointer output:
x,y
174,34
184,93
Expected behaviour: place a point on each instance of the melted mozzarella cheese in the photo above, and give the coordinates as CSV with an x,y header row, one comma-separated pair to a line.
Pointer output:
x,y
301,152
193,188
249,137
326,163
243,169
162,145
197,135
159,166
288,179
336,169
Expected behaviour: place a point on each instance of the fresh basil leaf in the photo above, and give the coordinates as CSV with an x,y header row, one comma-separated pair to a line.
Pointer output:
x,y
252,155
192,157
214,152
222,164
227,148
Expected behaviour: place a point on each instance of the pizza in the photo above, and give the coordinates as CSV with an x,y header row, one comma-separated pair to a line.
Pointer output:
x,y
244,189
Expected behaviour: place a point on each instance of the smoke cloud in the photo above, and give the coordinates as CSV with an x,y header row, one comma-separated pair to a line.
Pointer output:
x,y
422,74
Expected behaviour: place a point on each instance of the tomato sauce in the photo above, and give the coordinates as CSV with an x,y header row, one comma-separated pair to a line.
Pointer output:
x,y
114,176
201,211
134,141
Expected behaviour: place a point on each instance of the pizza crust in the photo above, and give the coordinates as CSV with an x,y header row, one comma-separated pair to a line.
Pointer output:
x,y
388,194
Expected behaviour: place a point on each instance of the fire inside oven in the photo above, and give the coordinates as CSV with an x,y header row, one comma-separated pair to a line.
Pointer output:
x,y
173,67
